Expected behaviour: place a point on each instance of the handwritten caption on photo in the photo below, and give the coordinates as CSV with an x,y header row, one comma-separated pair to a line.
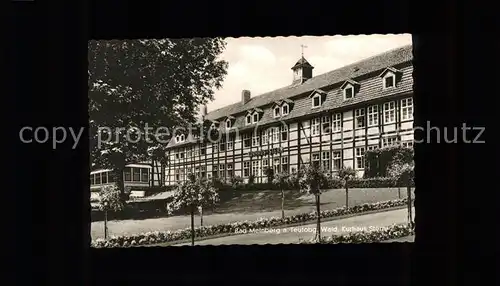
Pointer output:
x,y
310,229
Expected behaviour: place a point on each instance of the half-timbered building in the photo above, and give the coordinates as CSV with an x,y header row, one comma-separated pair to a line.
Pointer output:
x,y
329,120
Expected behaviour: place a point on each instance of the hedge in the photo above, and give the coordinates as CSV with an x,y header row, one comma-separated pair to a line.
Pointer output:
x,y
237,227
377,161
382,234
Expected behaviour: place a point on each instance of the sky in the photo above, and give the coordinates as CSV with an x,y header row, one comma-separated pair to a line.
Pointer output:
x,y
263,64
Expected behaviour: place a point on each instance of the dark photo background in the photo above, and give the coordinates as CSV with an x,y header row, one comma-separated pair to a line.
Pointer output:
x,y
48,218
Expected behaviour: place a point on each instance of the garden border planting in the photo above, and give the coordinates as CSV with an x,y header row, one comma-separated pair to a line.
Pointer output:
x,y
206,232
391,232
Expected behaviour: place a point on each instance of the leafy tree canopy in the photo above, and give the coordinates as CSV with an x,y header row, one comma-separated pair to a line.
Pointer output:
x,y
147,86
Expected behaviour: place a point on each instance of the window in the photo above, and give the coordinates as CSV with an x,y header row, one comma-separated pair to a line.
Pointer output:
x,y
284,133
104,178
315,159
336,157
360,117
111,177
92,180
182,138
325,124
127,174
315,126
255,117
136,174
215,171
372,147
407,144
276,111
230,170
407,109
389,141
248,119
221,170
348,92
265,163
284,164
255,140
372,115
222,145
389,81
230,144
177,139
277,165
196,152
228,124
337,122
98,178
203,149
177,175
255,168
144,175
215,148
284,109
246,140
325,160
360,157
275,135
182,154
389,112
176,155
203,171
316,101
264,137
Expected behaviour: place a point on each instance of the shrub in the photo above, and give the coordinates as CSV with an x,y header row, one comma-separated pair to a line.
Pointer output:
x,y
238,227
377,235
379,160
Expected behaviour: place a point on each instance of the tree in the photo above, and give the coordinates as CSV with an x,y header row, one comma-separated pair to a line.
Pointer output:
x,y
109,200
149,85
207,198
403,173
346,174
281,180
269,173
311,180
190,196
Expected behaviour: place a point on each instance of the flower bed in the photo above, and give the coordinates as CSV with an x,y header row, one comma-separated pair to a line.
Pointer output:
x,y
237,227
391,232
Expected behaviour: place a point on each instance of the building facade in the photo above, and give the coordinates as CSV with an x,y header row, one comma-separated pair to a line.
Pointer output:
x,y
330,120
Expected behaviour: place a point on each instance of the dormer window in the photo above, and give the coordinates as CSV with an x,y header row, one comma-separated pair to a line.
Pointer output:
x,y
284,109
214,126
228,124
179,138
349,88
276,111
389,77
316,101
348,92
389,80
255,117
248,119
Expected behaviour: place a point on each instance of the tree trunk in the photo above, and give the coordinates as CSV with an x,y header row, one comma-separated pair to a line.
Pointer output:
x,y
120,184
157,166
282,204
318,213
192,226
399,193
410,217
152,180
346,197
201,216
105,224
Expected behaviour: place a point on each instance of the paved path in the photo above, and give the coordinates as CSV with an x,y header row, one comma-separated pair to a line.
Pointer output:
x,y
306,232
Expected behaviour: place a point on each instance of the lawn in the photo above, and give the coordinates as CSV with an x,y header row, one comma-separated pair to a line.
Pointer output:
x,y
250,206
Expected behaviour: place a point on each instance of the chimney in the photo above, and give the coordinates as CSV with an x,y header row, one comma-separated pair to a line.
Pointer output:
x,y
245,96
